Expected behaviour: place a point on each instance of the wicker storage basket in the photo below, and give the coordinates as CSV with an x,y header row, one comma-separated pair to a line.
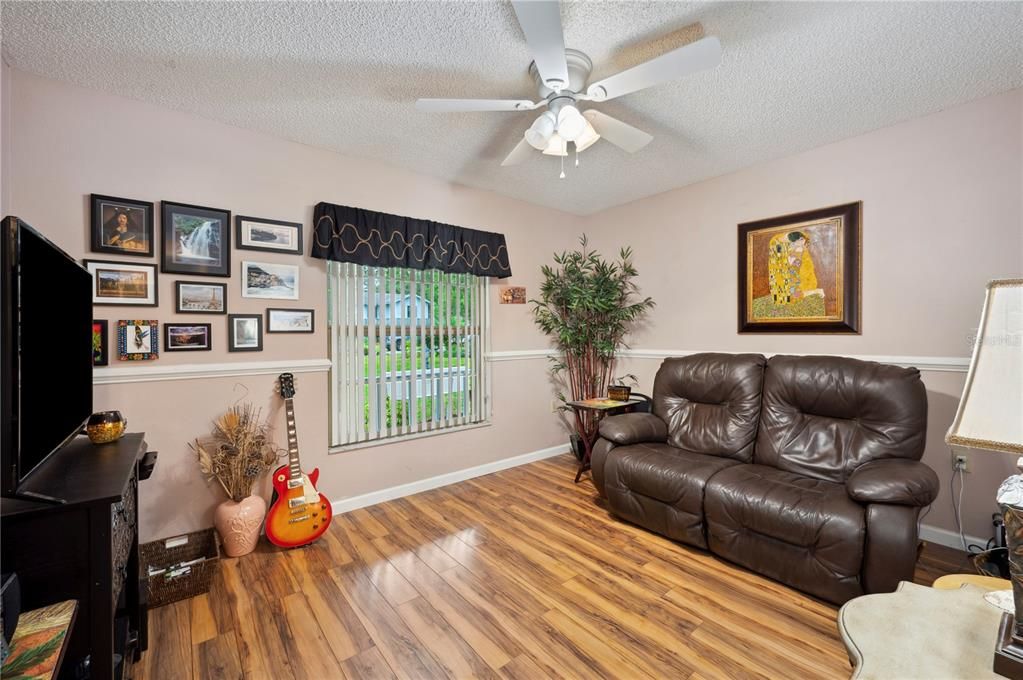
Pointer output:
x,y
179,567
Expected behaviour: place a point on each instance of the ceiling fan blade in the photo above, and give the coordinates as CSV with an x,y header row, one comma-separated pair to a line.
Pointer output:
x,y
696,56
456,105
520,153
618,133
541,22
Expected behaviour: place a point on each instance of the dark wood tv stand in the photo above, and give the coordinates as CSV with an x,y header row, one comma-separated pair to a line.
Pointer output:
x,y
84,549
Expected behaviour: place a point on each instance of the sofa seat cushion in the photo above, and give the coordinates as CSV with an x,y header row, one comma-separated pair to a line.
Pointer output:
x,y
661,488
805,532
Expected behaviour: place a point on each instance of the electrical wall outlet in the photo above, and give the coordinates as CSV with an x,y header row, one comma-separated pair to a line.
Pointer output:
x,y
960,461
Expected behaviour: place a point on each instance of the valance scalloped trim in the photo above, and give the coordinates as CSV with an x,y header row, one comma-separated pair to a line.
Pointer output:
x,y
345,234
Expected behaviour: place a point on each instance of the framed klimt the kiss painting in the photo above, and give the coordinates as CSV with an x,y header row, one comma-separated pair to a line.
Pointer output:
x,y
801,273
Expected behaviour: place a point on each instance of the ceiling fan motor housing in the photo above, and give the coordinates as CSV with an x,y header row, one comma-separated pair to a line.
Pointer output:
x,y
579,68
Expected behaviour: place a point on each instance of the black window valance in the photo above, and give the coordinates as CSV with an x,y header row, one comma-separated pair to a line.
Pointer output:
x,y
368,237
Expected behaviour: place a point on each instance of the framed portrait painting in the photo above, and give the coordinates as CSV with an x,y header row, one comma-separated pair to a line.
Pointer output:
x,y
123,283
196,240
121,226
800,273
254,233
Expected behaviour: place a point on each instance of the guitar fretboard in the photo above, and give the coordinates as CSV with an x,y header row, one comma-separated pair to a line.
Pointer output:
x,y
294,466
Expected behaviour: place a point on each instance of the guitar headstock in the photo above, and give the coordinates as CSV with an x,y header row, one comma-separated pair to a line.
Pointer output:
x,y
286,383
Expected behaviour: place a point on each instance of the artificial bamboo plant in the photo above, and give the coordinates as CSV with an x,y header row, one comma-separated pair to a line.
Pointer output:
x,y
587,305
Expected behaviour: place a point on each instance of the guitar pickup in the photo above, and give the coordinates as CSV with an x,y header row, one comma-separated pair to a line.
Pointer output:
x,y
298,519
296,502
294,483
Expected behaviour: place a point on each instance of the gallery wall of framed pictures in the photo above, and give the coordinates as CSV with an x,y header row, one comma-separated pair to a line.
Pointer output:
x,y
195,242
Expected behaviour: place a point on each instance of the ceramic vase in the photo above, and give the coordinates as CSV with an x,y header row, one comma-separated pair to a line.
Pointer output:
x,y
238,523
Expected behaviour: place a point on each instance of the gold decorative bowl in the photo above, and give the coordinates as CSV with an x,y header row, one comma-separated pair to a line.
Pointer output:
x,y
106,426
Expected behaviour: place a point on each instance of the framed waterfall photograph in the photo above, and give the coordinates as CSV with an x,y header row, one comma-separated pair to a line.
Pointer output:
x,y
800,273
196,240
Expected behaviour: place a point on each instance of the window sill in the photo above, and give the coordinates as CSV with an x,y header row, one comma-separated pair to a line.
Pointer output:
x,y
406,437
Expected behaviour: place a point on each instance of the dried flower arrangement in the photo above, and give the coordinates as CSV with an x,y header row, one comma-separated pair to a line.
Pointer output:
x,y
239,452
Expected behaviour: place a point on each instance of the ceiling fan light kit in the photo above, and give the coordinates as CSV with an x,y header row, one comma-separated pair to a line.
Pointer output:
x,y
561,77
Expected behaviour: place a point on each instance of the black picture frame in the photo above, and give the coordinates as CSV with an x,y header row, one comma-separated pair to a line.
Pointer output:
x,y
168,345
269,319
232,339
173,261
847,271
243,234
100,350
179,302
152,299
105,212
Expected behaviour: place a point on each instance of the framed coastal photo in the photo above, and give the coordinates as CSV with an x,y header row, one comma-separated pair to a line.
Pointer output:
x,y
196,240
289,320
138,340
186,337
800,273
100,350
121,225
200,297
269,281
123,284
244,333
254,233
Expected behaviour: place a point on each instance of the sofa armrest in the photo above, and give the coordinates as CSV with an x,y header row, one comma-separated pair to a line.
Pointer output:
x,y
633,428
893,480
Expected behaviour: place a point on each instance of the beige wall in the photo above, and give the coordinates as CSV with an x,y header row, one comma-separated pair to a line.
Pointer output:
x,y
942,214
69,142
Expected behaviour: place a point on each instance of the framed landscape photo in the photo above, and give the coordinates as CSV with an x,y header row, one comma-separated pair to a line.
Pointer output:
x,y
289,320
100,350
254,233
196,240
200,297
138,340
121,225
269,281
186,337
800,273
123,283
244,333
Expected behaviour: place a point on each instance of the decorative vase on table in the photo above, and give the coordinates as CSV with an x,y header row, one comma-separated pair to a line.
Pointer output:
x,y
238,523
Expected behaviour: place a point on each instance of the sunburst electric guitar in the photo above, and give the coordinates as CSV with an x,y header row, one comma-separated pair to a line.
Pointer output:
x,y
299,514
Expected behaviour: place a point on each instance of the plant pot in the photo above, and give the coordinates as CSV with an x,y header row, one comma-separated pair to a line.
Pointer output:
x,y
238,523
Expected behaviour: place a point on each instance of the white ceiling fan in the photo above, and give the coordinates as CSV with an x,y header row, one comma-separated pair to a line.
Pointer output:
x,y
561,75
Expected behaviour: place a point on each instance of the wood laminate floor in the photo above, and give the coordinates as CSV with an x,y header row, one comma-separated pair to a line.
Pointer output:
x,y
519,574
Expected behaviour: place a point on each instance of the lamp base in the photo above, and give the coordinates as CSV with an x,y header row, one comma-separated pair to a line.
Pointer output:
x,y
1008,659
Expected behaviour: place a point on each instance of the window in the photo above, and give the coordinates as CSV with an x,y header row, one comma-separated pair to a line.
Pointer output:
x,y
407,348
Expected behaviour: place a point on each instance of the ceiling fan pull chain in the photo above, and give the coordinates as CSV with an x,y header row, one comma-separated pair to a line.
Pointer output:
x,y
577,155
562,176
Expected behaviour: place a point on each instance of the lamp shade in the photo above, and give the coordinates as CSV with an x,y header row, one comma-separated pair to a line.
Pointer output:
x,y
990,414
587,139
556,146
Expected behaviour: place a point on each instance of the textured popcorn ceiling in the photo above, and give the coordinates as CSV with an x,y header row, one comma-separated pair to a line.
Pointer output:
x,y
345,76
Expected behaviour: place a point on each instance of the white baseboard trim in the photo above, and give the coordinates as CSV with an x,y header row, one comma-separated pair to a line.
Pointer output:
x,y
948,538
355,502
142,373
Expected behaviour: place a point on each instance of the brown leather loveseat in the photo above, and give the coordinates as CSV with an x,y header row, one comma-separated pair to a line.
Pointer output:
x,y
804,469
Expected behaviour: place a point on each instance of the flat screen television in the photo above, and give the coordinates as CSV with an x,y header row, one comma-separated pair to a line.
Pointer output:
x,y
46,350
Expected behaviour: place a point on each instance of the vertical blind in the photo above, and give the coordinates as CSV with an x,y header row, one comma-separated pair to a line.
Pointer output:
x,y
408,350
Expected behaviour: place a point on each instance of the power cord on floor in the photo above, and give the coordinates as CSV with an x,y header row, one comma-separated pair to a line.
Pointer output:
x,y
972,550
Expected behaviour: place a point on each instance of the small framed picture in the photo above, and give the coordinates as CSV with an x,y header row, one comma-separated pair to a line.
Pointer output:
x,y
200,297
138,340
196,240
186,337
289,320
122,226
244,333
121,283
254,233
269,281
100,351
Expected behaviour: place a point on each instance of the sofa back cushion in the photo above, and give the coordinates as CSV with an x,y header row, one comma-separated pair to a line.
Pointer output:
x,y
825,416
711,402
